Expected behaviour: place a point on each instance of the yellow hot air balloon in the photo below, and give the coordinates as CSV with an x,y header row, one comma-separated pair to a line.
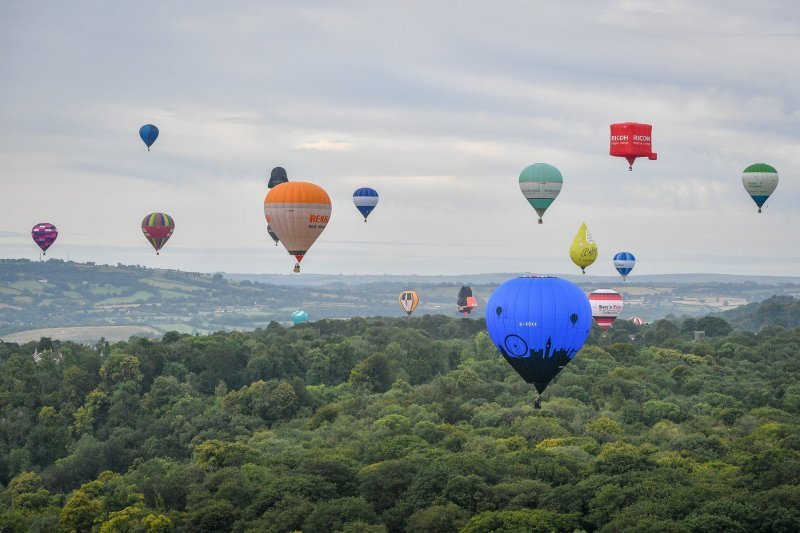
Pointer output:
x,y
583,250
408,301
297,212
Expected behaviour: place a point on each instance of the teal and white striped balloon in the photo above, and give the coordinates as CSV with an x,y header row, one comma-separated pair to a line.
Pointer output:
x,y
540,183
760,181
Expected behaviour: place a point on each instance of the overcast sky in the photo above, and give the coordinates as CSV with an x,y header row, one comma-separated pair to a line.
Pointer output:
x,y
436,105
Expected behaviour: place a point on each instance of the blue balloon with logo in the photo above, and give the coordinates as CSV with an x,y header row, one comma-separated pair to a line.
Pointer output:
x,y
538,324
299,317
149,134
365,199
623,262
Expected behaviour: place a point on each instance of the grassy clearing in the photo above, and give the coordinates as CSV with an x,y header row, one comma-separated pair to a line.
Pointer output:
x,y
83,333
138,296
175,295
71,294
106,290
31,285
172,285
177,326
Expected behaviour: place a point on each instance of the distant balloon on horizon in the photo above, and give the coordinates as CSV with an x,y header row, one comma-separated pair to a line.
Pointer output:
x,y
583,251
606,307
299,317
624,262
157,229
44,234
408,301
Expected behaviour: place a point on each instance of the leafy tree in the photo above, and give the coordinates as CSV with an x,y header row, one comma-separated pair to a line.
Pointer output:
x,y
373,373
333,515
532,520
437,519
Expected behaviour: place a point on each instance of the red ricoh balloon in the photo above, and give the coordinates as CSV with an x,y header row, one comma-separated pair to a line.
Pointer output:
x,y
631,140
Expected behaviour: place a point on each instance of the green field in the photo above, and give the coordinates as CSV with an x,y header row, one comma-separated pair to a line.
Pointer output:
x,y
138,296
30,285
105,290
174,285
174,295
83,333
71,294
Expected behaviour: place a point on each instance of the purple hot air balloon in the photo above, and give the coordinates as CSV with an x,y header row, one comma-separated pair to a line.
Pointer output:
x,y
44,234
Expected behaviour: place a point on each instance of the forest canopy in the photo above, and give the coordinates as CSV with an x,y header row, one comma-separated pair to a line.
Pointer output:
x,y
402,425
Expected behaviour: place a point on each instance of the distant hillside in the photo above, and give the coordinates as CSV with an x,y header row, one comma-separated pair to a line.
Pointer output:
x,y
112,301
499,277
775,311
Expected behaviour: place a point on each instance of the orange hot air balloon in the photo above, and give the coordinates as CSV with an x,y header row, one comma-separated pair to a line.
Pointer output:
x,y
408,301
297,212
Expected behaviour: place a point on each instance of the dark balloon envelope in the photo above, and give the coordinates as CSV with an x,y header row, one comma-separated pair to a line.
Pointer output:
x,y
466,302
277,176
538,325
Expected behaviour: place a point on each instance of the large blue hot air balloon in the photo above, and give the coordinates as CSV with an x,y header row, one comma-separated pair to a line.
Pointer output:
x,y
365,199
149,134
624,262
299,317
538,324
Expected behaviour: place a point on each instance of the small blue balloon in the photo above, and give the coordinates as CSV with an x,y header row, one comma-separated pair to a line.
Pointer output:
x,y
538,325
149,134
623,262
365,199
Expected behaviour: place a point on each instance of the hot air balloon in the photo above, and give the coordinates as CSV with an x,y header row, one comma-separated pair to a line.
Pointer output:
x,y
759,181
365,199
466,302
277,176
583,250
299,317
149,134
297,212
158,228
538,324
408,301
623,262
606,307
631,140
272,235
540,183
636,321
44,234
